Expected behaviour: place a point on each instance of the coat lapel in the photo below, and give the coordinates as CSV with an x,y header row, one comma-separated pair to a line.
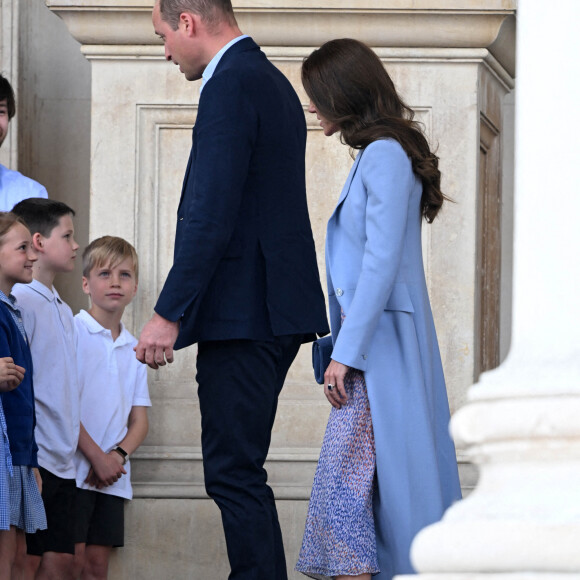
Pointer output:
x,y
343,194
349,179
187,171
347,184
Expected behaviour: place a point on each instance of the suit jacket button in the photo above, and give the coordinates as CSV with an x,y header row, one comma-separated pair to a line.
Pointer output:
x,y
364,357
339,292
180,219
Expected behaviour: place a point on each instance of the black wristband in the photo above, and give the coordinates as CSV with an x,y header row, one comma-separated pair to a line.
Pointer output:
x,y
122,453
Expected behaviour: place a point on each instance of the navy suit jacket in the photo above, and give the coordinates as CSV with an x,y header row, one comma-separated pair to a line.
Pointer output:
x,y
244,261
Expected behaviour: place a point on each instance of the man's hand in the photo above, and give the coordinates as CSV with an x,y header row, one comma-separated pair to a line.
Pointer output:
x,y
155,346
11,374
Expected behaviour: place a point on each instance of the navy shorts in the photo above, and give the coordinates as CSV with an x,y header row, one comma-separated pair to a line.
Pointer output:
x,y
58,495
99,518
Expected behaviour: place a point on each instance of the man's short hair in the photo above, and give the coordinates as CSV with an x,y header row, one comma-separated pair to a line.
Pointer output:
x,y
212,12
109,251
41,215
7,94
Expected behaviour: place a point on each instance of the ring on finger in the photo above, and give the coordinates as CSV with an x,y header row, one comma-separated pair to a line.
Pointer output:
x,y
330,387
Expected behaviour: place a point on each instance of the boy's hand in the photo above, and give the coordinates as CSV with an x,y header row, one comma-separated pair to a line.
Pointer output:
x,y
38,478
92,479
105,471
155,346
11,374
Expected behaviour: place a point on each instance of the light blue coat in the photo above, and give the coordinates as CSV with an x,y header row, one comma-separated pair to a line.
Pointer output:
x,y
375,275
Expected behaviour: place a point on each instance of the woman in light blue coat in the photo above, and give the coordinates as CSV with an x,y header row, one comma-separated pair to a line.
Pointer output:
x,y
387,466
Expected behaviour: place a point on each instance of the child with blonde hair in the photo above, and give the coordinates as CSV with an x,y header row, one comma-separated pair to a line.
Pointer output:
x,y
114,400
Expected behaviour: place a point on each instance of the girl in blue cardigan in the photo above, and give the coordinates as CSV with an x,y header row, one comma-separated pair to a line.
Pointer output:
x,y
26,510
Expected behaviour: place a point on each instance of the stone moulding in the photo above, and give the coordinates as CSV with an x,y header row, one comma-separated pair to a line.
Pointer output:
x,y
403,23
176,472
286,54
525,512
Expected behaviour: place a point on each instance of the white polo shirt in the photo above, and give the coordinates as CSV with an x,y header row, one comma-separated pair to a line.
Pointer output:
x,y
49,324
112,382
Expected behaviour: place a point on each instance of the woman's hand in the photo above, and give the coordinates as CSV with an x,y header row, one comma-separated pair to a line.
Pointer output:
x,y
334,383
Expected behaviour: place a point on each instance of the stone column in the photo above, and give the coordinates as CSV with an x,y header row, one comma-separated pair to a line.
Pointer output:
x,y
522,424
9,68
453,63
49,137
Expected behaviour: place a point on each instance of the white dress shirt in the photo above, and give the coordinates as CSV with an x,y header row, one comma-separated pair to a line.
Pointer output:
x,y
15,187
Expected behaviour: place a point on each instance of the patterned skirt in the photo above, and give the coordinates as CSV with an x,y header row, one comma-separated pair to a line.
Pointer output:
x,y
5,473
339,538
26,506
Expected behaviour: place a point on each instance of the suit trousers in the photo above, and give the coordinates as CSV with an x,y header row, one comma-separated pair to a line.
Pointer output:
x,y
239,383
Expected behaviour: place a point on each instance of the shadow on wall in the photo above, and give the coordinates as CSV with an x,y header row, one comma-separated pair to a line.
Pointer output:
x,y
54,120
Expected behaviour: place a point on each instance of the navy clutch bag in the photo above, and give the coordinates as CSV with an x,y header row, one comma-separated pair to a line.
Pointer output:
x,y
321,351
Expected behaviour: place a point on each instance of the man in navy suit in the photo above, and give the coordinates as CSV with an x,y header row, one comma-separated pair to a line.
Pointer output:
x,y
244,283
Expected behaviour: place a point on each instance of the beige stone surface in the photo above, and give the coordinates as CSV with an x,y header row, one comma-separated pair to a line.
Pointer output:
x,y
177,540
49,138
9,69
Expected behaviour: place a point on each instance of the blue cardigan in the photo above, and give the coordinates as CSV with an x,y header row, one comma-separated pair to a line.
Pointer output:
x,y
19,403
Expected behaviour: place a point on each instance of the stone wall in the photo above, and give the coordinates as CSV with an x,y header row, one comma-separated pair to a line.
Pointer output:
x,y
49,138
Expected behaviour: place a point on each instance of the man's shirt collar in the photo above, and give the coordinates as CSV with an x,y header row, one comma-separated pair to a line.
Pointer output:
x,y
210,68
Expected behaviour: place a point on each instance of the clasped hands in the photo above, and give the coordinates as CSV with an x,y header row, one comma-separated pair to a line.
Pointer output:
x,y
106,471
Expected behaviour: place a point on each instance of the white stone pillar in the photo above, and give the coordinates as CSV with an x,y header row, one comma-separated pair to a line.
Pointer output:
x,y
522,421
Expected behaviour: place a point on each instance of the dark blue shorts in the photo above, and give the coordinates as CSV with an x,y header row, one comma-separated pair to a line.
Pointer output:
x,y
99,518
58,495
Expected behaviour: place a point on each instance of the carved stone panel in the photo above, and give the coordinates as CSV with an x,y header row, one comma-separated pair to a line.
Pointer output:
x,y
490,245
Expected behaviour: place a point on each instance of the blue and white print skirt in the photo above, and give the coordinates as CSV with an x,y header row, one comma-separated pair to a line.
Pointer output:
x,y
339,538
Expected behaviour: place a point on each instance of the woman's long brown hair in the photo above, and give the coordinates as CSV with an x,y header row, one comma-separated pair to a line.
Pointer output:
x,y
349,86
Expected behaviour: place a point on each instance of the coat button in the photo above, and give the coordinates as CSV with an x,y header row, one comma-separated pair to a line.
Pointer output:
x,y
339,292
180,219
364,357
